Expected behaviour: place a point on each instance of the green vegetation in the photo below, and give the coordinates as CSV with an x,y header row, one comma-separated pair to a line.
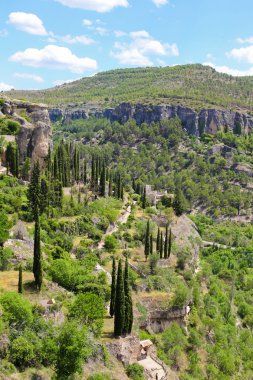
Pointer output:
x,y
76,209
191,85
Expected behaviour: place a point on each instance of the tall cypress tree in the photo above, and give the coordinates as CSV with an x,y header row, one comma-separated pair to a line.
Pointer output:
x,y
20,279
151,244
110,185
158,240
102,180
166,243
119,313
84,172
128,303
34,190
161,245
147,240
37,258
170,243
113,288
143,203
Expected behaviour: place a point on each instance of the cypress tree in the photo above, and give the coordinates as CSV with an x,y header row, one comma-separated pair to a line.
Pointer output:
x,y
166,243
110,186
119,313
34,190
96,174
84,172
16,161
20,279
158,240
102,180
44,195
93,170
113,288
128,303
147,240
161,245
143,204
151,244
37,259
170,243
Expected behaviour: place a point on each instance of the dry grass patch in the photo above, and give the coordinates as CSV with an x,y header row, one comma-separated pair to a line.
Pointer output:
x,y
9,280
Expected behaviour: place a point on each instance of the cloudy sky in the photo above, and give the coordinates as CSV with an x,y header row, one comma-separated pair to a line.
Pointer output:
x,y
44,43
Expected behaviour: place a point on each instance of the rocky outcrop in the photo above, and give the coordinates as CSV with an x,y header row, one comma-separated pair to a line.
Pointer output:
x,y
207,120
34,137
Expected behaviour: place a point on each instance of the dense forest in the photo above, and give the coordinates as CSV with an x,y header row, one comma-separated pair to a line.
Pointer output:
x,y
87,255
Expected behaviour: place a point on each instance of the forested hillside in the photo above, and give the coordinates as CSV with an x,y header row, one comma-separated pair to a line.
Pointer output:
x,y
194,86
103,277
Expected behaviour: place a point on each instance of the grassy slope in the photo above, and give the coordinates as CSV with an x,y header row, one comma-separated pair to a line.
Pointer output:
x,y
192,85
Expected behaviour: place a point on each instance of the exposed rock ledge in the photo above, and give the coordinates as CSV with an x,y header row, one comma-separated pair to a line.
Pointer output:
x,y
207,120
35,133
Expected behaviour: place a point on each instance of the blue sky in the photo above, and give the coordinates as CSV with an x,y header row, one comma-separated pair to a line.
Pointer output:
x,y
47,42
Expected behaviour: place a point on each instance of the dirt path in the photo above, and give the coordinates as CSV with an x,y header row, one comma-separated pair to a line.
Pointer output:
x,y
218,245
114,227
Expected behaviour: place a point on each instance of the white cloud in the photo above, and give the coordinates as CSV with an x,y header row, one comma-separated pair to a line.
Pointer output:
x,y
101,31
141,46
119,33
245,40
244,54
94,5
5,87
59,82
27,22
87,22
159,3
68,39
35,78
54,57
229,70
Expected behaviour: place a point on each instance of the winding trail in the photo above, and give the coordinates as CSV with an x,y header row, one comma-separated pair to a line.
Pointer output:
x,y
114,227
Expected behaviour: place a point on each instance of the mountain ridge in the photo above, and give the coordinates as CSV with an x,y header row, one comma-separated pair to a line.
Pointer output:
x,y
195,86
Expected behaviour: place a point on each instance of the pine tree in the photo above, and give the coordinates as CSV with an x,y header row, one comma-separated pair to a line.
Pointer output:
x,y
34,190
37,258
113,288
144,201
166,243
161,245
128,303
147,240
20,279
119,313
25,169
158,241
170,243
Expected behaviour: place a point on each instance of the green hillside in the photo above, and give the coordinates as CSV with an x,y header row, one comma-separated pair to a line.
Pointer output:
x,y
195,85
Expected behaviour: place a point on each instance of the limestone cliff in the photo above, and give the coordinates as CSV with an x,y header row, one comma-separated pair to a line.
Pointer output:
x,y
206,120
34,137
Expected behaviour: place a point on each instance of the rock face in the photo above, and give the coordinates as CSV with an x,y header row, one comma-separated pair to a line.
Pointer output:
x,y
207,120
34,138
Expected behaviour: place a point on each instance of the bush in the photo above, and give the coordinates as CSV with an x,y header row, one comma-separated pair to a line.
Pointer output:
x,y
16,309
135,371
111,243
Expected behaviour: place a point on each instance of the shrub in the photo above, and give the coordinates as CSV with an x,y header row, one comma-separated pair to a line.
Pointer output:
x,y
16,309
135,371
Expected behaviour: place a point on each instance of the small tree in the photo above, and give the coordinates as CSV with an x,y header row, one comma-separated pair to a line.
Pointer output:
x,y
147,240
113,288
170,243
128,322
20,279
119,314
161,245
158,241
179,203
37,257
